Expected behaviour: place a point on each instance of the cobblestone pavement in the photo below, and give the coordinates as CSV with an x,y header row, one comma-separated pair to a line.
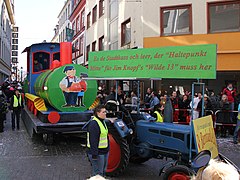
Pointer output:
x,y
24,158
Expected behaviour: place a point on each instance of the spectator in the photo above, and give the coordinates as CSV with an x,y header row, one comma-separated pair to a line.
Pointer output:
x,y
174,100
194,105
231,94
148,97
134,99
223,116
158,113
183,106
154,100
207,106
214,100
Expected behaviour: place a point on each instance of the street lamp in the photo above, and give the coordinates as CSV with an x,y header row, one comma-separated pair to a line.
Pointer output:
x,y
21,74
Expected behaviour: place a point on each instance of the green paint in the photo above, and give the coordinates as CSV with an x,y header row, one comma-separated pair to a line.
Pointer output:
x,y
188,62
54,94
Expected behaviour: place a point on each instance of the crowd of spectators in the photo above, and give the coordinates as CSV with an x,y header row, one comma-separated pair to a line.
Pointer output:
x,y
224,103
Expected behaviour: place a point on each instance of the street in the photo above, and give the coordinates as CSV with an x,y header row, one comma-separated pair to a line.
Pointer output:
x,y
24,158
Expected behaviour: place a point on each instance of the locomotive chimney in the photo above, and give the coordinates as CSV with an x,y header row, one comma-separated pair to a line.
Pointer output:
x,y
65,53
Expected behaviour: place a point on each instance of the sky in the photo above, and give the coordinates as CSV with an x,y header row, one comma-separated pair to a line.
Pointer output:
x,y
36,20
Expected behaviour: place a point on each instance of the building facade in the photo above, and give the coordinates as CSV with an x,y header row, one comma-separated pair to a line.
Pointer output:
x,y
110,25
77,20
7,22
188,22
64,24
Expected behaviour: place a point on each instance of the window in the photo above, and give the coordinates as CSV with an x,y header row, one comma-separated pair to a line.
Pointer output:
x,y
94,14
73,28
113,5
77,24
77,48
101,43
224,17
113,46
94,46
81,46
101,8
88,50
82,19
176,20
113,28
126,32
56,56
41,61
88,20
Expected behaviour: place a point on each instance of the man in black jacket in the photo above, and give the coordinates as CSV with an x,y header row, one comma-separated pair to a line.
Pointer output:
x,y
16,105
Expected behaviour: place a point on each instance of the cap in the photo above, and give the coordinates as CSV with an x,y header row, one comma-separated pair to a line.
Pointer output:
x,y
67,68
205,95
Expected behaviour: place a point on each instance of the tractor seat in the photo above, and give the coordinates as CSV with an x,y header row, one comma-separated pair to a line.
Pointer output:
x,y
112,107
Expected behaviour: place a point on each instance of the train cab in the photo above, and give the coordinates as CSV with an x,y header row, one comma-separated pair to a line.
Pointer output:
x,y
40,58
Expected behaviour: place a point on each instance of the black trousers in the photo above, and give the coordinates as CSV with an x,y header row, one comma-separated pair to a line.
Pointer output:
x,y
16,116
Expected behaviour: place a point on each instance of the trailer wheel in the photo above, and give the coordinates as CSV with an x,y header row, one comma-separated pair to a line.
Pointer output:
x,y
137,159
119,154
177,172
48,138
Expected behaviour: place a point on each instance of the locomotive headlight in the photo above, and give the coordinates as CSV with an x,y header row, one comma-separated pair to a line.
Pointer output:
x,y
45,88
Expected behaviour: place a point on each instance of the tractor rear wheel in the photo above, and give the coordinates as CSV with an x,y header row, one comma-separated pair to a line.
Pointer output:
x,y
177,172
119,153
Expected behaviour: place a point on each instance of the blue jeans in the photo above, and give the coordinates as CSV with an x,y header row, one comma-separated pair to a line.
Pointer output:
x,y
235,135
99,166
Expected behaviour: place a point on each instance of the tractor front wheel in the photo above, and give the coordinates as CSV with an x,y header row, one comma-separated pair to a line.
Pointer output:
x,y
118,155
177,172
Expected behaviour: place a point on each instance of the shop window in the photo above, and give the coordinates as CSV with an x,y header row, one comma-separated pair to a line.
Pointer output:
x,y
94,14
224,17
176,20
101,8
41,61
126,32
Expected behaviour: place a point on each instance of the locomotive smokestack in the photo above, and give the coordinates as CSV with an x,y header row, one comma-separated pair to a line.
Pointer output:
x,y
65,53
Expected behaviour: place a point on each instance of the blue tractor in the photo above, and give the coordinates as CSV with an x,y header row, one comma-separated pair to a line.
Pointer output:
x,y
136,137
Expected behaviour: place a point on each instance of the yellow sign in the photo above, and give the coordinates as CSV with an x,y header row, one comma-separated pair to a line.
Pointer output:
x,y
205,136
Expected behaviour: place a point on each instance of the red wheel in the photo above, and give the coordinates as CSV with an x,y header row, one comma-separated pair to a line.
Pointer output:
x,y
114,155
119,153
178,172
